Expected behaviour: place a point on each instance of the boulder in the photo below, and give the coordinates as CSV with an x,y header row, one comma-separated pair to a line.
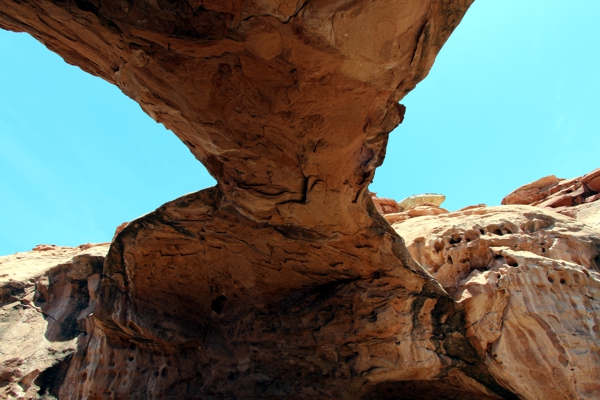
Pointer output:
x,y
418,199
532,192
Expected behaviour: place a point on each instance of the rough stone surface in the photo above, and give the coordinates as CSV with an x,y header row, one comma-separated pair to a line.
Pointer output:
x,y
285,102
250,316
527,280
43,292
419,210
420,199
385,205
575,197
283,280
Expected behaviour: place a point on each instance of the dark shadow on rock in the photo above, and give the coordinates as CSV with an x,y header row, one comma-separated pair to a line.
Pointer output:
x,y
63,295
50,380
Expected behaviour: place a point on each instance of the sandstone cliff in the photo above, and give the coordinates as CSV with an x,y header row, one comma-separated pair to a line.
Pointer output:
x,y
43,294
284,280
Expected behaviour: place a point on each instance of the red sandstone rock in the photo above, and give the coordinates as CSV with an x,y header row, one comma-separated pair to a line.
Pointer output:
x,y
532,192
419,210
384,205
559,194
284,280
575,198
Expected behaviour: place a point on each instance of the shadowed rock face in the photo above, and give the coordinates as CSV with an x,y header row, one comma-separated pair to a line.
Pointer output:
x,y
282,281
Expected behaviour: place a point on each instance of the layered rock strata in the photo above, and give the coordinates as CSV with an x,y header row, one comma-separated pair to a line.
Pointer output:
x,y
525,280
284,280
576,197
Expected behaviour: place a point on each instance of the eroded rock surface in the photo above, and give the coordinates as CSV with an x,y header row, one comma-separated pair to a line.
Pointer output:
x,y
287,103
419,199
300,316
577,197
528,281
283,280
43,293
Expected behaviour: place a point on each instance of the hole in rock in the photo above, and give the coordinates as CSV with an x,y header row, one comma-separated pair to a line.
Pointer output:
x,y
50,380
550,279
372,318
218,304
562,281
455,240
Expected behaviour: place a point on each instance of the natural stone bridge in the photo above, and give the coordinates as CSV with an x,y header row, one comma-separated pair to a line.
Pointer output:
x,y
283,280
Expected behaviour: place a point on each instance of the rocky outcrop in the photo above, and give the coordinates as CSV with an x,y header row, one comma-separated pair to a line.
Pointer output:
x,y
43,293
420,199
264,318
575,197
286,103
411,207
528,281
283,280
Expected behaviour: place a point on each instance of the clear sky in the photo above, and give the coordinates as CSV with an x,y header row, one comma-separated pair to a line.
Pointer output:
x,y
513,96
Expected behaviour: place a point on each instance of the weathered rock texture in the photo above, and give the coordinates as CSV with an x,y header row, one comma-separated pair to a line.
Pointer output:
x,y
283,280
527,280
575,197
419,199
42,294
418,203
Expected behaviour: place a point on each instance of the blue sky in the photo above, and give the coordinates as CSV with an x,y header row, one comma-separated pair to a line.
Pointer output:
x,y
513,96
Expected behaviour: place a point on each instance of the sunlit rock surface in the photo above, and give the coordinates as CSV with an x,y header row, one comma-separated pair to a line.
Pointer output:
x,y
577,197
42,294
284,280
528,281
